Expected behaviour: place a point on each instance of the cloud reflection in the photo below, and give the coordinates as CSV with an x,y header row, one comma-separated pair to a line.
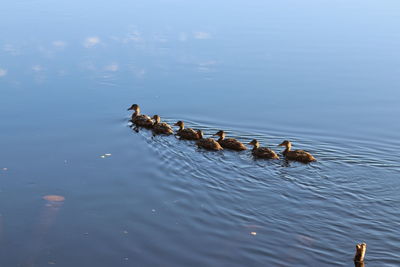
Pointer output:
x,y
134,36
91,42
10,49
138,72
3,72
201,35
112,67
206,66
37,68
59,44
160,39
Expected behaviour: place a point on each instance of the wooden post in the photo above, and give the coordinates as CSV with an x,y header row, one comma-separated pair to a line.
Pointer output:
x,y
360,252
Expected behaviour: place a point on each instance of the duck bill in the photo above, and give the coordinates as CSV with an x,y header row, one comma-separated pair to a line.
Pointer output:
x,y
130,108
281,144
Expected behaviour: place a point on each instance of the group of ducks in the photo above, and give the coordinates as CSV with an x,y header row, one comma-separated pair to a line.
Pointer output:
x,y
159,127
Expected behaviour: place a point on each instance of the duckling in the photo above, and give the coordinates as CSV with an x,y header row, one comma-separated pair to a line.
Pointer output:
x,y
161,127
230,143
186,133
297,155
262,152
207,143
140,119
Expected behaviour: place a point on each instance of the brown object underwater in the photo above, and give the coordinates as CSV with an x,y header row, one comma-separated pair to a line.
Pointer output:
x,y
361,249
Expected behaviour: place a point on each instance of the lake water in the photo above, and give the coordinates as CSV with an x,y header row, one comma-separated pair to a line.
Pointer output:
x,y
323,74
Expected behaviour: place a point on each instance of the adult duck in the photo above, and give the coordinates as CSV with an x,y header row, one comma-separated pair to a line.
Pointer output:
x,y
186,133
262,152
140,119
296,155
230,143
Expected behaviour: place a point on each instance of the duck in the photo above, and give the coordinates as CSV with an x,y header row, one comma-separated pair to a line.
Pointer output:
x,y
207,143
296,155
140,119
230,143
186,133
262,152
161,127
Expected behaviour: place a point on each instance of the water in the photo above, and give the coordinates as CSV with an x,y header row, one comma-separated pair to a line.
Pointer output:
x,y
323,74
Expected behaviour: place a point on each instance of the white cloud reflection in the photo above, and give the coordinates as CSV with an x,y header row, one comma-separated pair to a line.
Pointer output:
x,y
138,72
91,41
10,49
131,37
160,38
37,68
112,67
39,73
206,66
3,72
59,44
201,35
134,36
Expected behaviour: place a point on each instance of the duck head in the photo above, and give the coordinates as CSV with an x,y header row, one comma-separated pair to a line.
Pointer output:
x,y
254,143
180,124
156,119
134,107
200,133
286,144
221,134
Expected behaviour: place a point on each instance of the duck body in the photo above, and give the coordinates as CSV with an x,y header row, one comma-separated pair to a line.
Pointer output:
x,y
208,143
299,155
230,143
296,155
262,152
140,119
161,127
186,133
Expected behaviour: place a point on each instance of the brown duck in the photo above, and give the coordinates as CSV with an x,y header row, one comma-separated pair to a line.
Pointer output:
x,y
262,152
207,143
230,143
297,155
186,133
161,127
140,119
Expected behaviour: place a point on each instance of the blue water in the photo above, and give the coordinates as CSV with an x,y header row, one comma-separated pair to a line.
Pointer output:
x,y
323,74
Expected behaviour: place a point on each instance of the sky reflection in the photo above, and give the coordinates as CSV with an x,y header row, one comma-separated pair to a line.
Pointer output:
x,y
3,72
323,74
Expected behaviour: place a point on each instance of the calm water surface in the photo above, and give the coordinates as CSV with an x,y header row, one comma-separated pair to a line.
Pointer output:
x,y
323,74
